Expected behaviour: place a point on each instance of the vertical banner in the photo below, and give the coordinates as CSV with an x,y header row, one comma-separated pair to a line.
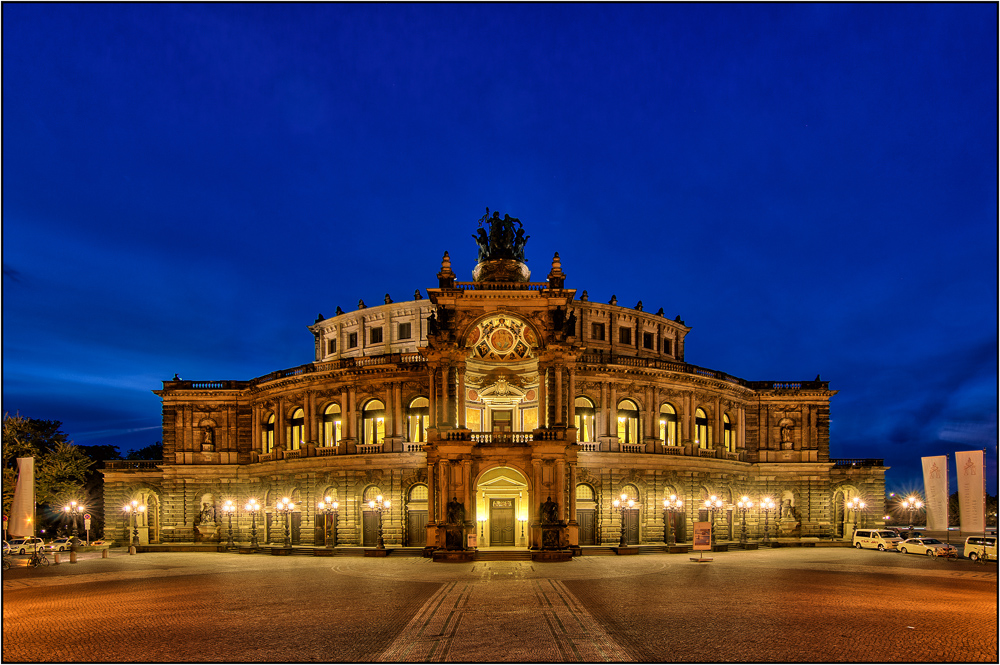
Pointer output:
x,y
936,492
969,466
22,511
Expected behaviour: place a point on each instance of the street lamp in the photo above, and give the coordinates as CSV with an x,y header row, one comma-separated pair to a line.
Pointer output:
x,y
482,526
744,505
74,509
911,504
229,508
622,505
767,505
252,507
284,506
712,504
670,506
329,507
857,505
133,509
378,504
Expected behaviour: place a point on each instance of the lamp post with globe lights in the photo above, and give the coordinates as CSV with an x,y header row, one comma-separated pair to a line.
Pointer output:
x,y
767,505
252,507
73,510
713,504
329,507
911,504
133,509
858,506
379,504
623,504
671,505
285,507
744,505
229,508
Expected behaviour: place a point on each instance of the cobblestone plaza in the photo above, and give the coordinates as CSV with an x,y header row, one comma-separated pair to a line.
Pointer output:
x,y
784,605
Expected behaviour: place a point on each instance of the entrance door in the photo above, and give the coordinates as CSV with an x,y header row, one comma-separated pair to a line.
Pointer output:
x,y
369,530
416,528
502,421
501,522
585,518
632,527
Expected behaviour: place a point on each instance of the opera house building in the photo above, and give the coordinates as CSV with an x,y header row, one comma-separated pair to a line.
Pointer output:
x,y
494,412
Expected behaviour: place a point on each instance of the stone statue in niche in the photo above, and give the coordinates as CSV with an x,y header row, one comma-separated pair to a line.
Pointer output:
x,y
456,511
208,439
570,328
549,511
785,428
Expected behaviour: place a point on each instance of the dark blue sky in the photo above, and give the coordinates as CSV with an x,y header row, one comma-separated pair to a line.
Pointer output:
x,y
812,188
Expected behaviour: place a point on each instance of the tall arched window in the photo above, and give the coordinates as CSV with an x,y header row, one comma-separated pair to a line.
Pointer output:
x,y
701,435
267,435
631,492
727,434
417,415
374,422
296,429
668,425
628,422
584,419
332,425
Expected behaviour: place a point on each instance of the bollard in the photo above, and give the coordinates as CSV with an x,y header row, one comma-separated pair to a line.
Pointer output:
x,y
72,556
55,558
131,549
104,554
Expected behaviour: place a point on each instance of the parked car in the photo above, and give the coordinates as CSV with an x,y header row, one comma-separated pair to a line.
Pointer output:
x,y
6,548
928,546
981,547
880,539
25,545
60,545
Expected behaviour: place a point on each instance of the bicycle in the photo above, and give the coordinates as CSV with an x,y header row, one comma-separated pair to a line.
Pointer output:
x,y
37,558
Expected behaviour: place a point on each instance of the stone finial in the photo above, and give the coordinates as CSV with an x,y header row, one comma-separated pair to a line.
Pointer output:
x,y
638,306
319,317
446,278
446,263
388,300
361,304
556,276
339,311
659,312
614,300
585,297
417,296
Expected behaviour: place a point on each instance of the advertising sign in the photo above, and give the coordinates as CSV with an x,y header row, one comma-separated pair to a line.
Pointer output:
x,y
702,536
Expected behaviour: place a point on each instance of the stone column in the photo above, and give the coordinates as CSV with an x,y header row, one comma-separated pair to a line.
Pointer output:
x,y
444,486
313,425
613,413
390,412
432,508
543,408
460,396
255,429
537,490
561,485
345,428
431,399
446,420
572,493
571,401
280,431
559,419
467,493
399,425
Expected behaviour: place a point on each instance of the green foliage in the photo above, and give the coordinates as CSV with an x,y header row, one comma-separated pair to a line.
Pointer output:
x,y
60,467
153,451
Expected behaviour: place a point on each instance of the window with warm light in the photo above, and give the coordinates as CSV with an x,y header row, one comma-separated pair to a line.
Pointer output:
x,y
417,414
727,433
628,422
374,422
267,435
668,425
331,425
701,429
584,419
296,429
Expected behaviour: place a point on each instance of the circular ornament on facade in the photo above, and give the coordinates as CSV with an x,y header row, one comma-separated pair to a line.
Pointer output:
x,y
502,340
529,396
473,396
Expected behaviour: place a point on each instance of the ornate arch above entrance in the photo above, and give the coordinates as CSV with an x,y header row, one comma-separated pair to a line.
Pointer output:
x,y
503,500
501,337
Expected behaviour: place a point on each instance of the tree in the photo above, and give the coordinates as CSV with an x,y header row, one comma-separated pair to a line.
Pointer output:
x,y
153,451
60,467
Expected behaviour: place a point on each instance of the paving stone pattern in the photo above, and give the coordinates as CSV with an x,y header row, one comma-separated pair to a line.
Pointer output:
x,y
836,605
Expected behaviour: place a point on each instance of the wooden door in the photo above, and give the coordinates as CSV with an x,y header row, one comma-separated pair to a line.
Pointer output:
x,y
632,527
502,522
296,529
416,528
588,533
369,529
502,421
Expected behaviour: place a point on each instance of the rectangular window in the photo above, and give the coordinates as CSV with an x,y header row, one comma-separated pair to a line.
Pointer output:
x,y
597,331
331,346
376,335
648,341
666,347
352,340
625,335
404,331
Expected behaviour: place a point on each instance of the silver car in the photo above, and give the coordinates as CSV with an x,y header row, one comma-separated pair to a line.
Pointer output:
x,y
928,546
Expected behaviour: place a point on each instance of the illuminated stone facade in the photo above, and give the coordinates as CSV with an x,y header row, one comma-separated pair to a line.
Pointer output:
x,y
471,408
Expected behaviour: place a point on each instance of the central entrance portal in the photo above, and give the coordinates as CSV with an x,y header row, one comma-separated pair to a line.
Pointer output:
x,y
502,522
503,421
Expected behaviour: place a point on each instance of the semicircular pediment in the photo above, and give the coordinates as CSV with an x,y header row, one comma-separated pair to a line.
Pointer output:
x,y
501,338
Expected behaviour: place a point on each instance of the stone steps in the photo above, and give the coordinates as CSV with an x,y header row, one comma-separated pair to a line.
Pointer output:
x,y
504,555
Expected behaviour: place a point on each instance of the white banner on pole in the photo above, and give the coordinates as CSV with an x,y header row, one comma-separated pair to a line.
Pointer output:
x,y
936,492
22,511
969,466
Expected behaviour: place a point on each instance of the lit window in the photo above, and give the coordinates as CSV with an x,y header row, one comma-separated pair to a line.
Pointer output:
x,y
374,422
296,427
727,433
584,419
628,422
267,435
668,425
416,419
701,429
331,425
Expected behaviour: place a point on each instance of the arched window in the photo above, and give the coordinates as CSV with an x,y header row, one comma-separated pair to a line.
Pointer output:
x,y
417,415
296,428
267,435
370,494
628,422
418,493
374,422
584,492
332,425
631,492
727,434
701,432
668,425
584,419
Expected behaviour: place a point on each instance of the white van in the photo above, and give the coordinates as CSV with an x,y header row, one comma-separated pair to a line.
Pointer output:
x,y
880,539
984,547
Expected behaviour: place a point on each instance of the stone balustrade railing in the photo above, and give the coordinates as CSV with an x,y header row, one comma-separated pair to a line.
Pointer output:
x,y
132,465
